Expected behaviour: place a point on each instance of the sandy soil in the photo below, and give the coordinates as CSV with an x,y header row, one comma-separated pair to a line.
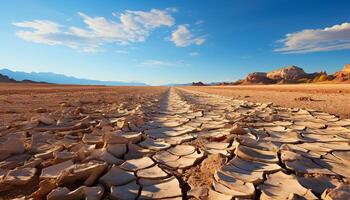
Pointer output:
x,y
20,102
330,98
45,126
202,175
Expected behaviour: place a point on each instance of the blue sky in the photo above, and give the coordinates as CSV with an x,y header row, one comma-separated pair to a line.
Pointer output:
x,y
159,42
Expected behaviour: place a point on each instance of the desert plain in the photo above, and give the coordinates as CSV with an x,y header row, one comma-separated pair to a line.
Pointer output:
x,y
330,98
219,142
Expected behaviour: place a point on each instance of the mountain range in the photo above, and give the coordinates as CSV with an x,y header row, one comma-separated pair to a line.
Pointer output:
x,y
50,77
177,84
6,79
288,75
294,74
284,75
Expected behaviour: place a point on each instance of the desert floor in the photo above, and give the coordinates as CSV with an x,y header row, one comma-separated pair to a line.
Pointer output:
x,y
93,142
330,98
24,101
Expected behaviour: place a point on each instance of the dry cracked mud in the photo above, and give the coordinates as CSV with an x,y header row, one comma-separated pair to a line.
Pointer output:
x,y
177,144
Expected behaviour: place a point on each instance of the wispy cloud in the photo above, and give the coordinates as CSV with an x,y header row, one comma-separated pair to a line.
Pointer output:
x,y
182,37
198,22
194,54
122,52
133,26
332,38
156,63
161,63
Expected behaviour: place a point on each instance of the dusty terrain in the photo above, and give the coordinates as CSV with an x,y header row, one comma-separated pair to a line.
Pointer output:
x,y
330,98
80,142
23,101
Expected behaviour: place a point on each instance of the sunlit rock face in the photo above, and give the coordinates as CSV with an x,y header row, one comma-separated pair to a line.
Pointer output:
x,y
346,68
288,74
258,78
343,75
284,75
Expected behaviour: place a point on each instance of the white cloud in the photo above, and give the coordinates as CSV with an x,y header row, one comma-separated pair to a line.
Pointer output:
x,y
157,63
48,32
198,22
133,26
41,26
194,54
172,9
122,52
182,37
332,38
160,63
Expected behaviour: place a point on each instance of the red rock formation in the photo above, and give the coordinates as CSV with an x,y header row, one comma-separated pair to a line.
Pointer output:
x,y
343,75
290,74
257,78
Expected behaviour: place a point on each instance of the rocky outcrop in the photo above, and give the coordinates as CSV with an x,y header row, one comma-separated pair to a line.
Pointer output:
x,y
257,78
198,83
285,75
290,74
346,68
343,75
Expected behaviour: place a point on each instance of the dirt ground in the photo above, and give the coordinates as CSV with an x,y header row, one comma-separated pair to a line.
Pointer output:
x,y
330,98
195,142
20,102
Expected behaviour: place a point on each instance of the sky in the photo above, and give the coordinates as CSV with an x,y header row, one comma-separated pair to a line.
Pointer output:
x,y
168,41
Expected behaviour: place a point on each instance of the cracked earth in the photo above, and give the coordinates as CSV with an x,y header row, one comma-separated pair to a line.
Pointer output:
x,y
178,144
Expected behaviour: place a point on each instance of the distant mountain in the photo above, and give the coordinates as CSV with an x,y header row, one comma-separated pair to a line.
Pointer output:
x,y
177,84
343,75
191,84
284,75
6,79
199,83
61,79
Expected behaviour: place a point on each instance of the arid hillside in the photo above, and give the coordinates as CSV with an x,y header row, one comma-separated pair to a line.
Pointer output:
x,y
294,75
343,76
6,79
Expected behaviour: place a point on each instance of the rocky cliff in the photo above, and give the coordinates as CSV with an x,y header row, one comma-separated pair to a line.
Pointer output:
x,y
343,75
290,74
257,78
